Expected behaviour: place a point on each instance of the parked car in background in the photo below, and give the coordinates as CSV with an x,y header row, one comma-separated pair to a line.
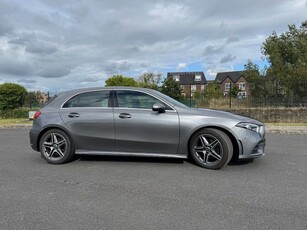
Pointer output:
x,y
127,121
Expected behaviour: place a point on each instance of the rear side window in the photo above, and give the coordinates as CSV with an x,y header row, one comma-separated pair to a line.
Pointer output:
x,y
89,99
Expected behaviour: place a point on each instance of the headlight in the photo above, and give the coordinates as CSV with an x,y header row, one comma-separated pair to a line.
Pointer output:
x,y
250,126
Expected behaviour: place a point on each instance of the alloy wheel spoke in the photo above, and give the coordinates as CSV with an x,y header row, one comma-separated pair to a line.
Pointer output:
x,y
198,148
51,153
215,155
206,158
61,143
59,151
204,141
54,138
47,144
214,143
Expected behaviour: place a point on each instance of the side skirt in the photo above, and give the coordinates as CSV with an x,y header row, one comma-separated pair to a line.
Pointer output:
x,y
88,152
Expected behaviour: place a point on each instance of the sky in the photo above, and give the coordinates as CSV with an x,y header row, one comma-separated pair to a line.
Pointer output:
x,y
57,45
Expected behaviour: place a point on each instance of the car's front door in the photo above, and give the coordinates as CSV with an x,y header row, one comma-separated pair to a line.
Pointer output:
x,y
89,119
139,129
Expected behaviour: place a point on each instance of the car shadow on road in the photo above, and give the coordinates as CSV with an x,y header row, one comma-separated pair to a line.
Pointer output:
x,y
240,162
130,159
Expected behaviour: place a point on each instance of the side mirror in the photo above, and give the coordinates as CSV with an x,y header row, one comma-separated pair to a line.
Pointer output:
x,y
158,107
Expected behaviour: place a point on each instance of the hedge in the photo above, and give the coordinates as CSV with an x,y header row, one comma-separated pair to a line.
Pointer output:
x,y
14,113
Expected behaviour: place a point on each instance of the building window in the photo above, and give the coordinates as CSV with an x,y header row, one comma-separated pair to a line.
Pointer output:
x,y
193,87
197,77
242,85
176,77
242,94
202,87
227,86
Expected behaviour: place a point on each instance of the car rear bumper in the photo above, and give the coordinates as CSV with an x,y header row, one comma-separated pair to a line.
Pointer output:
x,y
33,134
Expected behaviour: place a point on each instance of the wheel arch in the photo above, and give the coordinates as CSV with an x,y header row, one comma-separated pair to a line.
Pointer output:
x,y
235,144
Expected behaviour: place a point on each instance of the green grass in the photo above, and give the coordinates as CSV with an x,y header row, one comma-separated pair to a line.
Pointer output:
x,y
14,121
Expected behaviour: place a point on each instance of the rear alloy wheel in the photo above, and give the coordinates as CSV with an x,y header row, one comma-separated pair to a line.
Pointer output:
x,y
56,147
211,148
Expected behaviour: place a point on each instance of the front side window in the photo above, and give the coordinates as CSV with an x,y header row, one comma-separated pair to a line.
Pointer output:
x,y
89,99
135,99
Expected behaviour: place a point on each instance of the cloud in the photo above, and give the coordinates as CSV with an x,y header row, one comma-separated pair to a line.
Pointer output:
x,y
33,44
5,27
122,66
212,50
27,81
227,58
54,72
232,39
88,41
181,66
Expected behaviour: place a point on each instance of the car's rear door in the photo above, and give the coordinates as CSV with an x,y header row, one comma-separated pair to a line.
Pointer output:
x,y
139,129
89,118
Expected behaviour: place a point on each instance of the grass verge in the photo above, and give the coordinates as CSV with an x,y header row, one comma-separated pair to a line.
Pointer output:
x,y
286,124
15,121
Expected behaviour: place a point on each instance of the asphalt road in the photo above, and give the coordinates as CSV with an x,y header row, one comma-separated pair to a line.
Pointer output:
x,y
138,193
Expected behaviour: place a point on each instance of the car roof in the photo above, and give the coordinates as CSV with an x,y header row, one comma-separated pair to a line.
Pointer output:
x,y
80,90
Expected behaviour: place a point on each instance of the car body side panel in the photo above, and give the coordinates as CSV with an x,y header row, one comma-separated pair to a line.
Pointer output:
x,y
93,129
146,131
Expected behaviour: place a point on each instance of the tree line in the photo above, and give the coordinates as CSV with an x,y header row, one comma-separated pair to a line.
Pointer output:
x,y
149,80
286,74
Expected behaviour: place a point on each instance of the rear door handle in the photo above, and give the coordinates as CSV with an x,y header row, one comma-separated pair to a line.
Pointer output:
x,y
72,115
125,115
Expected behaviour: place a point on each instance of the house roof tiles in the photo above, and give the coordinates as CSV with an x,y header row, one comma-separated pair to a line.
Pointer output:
x,y
233,75
188,78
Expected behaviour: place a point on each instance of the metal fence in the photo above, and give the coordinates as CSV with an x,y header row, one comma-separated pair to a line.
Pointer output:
x,y
247,102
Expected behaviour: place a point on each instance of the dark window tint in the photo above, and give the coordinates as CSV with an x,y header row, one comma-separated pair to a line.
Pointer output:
x,y
89,99
134,99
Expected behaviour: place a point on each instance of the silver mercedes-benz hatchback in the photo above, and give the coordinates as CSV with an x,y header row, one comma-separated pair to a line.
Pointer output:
x,y
126,121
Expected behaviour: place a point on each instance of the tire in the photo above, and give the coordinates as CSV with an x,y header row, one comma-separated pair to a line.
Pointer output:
x,y
56,147
210,148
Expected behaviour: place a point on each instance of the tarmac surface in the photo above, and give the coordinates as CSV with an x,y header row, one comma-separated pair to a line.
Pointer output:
x,y
149,193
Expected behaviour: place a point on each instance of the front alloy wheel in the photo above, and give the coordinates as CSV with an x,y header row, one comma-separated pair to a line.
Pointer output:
x,y
56,147
211,148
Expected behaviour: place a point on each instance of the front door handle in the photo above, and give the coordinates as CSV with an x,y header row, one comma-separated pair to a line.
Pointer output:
x,y
125,115
72,115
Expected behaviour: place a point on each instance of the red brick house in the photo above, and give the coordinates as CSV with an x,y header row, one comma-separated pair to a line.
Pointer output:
x,y
229,79
190,82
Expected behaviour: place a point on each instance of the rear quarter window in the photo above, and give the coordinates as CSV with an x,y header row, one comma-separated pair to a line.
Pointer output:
x,y
89,99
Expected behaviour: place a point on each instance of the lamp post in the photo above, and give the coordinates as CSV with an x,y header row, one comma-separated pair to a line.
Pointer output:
x,y
230,95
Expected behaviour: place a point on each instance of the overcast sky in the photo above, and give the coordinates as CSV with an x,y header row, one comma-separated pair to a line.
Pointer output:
x,y
56,45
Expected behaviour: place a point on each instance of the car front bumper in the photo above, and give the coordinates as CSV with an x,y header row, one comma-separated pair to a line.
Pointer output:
x,y
251,143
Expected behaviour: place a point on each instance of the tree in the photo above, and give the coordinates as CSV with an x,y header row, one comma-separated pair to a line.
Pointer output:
x,y
33,99
287,55
119,80
171,88
150,80
212,90
233,92
256,81
12,96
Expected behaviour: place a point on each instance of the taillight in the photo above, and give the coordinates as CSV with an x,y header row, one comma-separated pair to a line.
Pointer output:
x,y
36,115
